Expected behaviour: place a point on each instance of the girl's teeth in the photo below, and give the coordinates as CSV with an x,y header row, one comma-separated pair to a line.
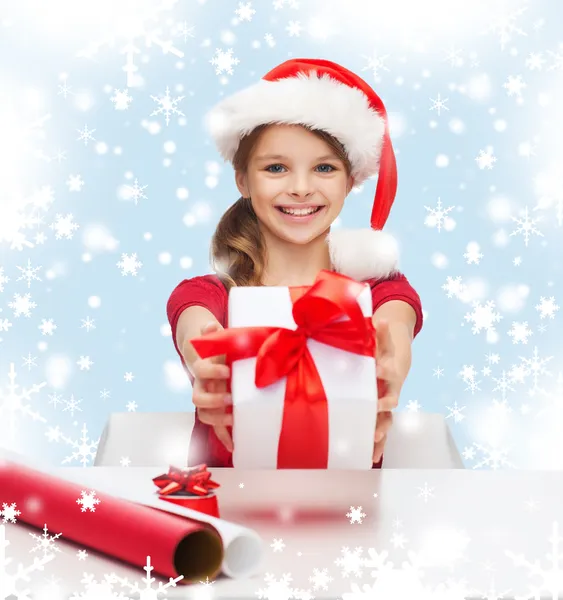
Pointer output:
x,y
299,212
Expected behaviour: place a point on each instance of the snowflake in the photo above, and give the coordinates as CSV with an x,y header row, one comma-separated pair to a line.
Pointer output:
x,y
505,26
456,413
132,406
121,99
129,377
473,254
294,28
454,287
84,449
88,501
279,589
356,515
3,279
277,545
72,405
64,227
14,400
547,307
320,579
425,492
351,562
438,217
82,554
129,265
84,363
75,183
10,582
29,273
486,159
245,12
493,457
22,305
375,64
514,85
503,385
552,575
135,192
520,332
46,543
95,590
483,317
167,106
9,512
439,104
224,61
132,24
125,461
535,367
47,326
88,324
86,135
148,592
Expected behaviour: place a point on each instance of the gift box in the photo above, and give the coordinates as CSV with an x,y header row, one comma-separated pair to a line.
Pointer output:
x,y
190,487
303,379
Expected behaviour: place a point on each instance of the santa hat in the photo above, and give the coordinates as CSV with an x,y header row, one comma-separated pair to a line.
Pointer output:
x,y
323,95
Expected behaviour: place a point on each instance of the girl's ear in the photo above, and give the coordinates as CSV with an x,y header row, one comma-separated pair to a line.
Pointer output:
x,y
350,184
240,180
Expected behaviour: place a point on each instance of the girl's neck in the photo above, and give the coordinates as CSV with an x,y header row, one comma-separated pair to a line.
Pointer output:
x,y
295,265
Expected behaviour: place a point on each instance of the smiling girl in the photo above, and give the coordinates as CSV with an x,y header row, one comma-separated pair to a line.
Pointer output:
x,y
299,141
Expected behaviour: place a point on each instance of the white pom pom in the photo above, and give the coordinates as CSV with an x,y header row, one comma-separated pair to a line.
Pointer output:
x,y
363,253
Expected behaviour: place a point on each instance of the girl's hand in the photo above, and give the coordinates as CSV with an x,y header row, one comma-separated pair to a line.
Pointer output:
x,y
389,384
210,396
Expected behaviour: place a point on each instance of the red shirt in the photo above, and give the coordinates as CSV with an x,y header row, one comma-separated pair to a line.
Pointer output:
x,y
208,291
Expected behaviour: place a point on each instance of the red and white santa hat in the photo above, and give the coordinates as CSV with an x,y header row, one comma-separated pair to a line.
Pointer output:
x,y
324,95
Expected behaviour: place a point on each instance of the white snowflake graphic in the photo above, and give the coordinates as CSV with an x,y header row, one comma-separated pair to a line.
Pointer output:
x,y
85,135
483,318
320,579
75,183
294,29
14,401
526,227
224,61
492,457
167,106
439,104
29,273
279,589
46,543
277,545
245,12
88,324
356,514
129,265
486,159
552,575
135,192
455,412
121,99
376,64
505,26
439,217
351,562
98,590
3,279
520,332
64,227
547,307
9,513
88,501
134,24
10,582
47,327
22,305
514,85
148,592
83,449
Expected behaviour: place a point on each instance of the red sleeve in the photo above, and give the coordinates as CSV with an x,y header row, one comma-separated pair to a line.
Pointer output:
x,y
397,287
198,291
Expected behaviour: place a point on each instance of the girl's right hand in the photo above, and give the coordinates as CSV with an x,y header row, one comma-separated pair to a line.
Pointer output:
x,y
210,396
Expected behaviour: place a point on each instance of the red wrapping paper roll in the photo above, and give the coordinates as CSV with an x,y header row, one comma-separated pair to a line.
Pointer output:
x,y
118,528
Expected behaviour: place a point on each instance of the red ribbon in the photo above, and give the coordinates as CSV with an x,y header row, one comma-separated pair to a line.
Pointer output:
x,y
192,480
281,352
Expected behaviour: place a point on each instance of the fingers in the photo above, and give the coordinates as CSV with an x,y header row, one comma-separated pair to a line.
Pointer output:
x,y
211,327
384,422
206,368
387,403
205,400
216,417
224,437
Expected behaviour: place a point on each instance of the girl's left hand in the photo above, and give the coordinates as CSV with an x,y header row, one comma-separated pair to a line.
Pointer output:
x,y
389,384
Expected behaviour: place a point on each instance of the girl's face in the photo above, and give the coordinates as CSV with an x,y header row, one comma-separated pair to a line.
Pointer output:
x,y
296,183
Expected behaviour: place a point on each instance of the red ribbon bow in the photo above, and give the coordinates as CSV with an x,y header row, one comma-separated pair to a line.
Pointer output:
x,y
281,352
193,480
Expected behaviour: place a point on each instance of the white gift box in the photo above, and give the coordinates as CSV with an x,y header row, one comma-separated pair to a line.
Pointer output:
x,y
349,381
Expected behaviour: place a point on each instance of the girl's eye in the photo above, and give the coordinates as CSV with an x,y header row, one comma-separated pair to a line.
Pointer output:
x,y
329,166
271,167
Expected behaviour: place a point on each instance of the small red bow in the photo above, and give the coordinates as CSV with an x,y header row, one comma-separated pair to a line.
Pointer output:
x,y
194,480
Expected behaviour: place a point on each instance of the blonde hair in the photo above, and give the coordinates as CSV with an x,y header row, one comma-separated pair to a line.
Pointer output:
x,y
237,246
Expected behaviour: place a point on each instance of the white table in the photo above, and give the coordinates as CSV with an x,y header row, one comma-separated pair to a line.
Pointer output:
x,y
496,511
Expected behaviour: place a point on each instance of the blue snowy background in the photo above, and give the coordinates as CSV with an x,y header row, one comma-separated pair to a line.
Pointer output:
x,y
110,191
